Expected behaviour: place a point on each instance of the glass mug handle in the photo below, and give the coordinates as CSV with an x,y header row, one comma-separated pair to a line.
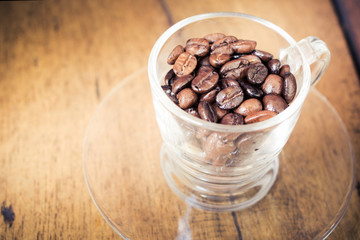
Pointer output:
x,y
315,52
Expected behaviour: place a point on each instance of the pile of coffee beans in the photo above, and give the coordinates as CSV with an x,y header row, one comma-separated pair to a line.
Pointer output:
x,y
223,79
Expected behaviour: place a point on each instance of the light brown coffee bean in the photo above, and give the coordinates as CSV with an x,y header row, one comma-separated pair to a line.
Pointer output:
x,y
273,84
232,119
210,96
251,58
249,106
257,73
187,98
197,47
227,82
235,69
207,112
205,80
220,113
274,103
215,147
259,116
213,37
289,89
217,60
274,66
284,70
230,97
264,56
175,53
243,46
181,83
223,45
185,64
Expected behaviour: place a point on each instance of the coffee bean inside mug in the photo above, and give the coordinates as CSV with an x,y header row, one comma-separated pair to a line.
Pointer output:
x,y
227,80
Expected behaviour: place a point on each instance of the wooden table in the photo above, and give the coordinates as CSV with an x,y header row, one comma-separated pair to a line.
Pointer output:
x,y
58,60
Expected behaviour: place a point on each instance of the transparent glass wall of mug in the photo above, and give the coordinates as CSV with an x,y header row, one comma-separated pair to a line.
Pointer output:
x,y
228,150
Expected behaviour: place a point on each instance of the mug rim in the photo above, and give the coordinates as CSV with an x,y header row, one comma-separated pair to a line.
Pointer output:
x,y
295,105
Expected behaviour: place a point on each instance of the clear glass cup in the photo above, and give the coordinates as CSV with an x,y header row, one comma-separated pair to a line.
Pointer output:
x,y
225,167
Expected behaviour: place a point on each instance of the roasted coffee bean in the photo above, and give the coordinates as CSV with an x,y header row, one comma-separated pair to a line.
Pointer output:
x,y
249,106
257,73
227,82
185,64
251,58
193,111
220,113
215,147
274,66
284,70
223,45
170,77
213,37
197,47
181,83
232,119
175,53
259,116
274,103
230,97
250,90
205,80
264,56
217,60
210,96
204,61
169,93
289,89
234,69
243,46
273,84
187,98
207,112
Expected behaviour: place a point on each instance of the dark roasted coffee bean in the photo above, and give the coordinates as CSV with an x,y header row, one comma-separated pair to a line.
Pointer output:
x,y
185,64
207,112
213,37
175,53
232,119
250,90
197,47
251,58
273,84
274,66
217,60
234,69
223,45
181,83
210,96
243,46
230,97
289,89
264,56
187,98
274,103
249,106
227,82
169,77
257,73
193,111
284,70
204,61
259,116
220,113
169,93
205,80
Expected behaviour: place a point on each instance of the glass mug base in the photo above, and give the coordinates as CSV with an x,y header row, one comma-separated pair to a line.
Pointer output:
x,y
203,191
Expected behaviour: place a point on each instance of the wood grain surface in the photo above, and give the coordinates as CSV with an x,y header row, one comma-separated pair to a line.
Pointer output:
x,y
59,59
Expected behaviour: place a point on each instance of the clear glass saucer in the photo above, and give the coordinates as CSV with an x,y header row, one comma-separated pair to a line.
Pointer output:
x,y
121,162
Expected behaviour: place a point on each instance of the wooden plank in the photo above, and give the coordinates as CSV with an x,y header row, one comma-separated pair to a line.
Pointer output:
x,y
59,59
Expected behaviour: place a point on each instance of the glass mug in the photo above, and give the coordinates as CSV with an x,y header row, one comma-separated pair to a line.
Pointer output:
x,y
220,167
